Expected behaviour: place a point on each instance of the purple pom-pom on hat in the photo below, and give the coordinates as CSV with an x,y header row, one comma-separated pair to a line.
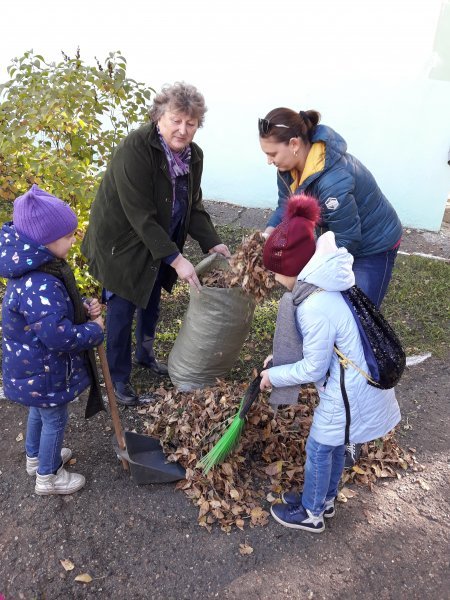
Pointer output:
x,y
41,217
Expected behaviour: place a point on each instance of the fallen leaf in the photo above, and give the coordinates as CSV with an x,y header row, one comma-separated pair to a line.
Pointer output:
x,y
72,461
275,468
240,523
67,564
245,549
423,484
83,578
348,493
19,438
358,470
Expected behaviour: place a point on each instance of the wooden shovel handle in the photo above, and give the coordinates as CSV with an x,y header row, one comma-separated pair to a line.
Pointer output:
x,y
112,402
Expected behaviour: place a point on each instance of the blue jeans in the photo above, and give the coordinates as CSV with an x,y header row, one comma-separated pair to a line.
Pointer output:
x,y
373,274
45,435
119,323
323,470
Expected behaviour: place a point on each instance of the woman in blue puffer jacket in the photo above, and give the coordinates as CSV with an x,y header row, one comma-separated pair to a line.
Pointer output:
x,y
313,159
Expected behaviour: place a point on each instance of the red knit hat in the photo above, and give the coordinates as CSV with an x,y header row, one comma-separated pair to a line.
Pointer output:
x,y
291,245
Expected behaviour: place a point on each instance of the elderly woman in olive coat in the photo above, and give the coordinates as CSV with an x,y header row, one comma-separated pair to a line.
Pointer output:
x,y
149,200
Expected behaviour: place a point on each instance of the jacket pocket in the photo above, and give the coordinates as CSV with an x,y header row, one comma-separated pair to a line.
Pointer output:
x,y
124,241
326,409
56,372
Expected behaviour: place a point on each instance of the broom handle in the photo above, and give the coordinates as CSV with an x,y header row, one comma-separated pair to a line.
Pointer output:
x,y
112,402
252,392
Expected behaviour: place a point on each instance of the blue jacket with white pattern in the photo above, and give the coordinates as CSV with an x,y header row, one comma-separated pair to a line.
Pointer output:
x,y
353,206
43,360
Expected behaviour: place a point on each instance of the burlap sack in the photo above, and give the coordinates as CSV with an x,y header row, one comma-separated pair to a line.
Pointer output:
x,y
214,329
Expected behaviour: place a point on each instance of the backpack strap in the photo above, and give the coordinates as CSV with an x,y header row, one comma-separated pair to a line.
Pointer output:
x,y
347,361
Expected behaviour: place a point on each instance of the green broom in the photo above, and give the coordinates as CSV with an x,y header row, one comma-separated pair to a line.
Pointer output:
x,y
231,436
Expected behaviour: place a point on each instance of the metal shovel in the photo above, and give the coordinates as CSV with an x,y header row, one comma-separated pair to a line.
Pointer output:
x,y
142,455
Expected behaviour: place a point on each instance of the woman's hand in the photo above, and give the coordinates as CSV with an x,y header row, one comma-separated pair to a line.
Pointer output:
x,y
268,359
268,231
93,308
186,272
220,249
265,381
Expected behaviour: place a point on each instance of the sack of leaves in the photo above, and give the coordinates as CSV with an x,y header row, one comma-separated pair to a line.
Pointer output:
x,y
219,317
214,329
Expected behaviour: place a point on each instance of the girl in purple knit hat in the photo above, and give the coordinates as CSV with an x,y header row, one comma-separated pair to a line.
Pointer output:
x,y
47,340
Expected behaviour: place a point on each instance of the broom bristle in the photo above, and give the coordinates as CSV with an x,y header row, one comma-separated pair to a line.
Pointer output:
x,y
223,446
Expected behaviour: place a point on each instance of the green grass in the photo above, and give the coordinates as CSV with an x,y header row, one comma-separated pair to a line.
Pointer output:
x,y
418,304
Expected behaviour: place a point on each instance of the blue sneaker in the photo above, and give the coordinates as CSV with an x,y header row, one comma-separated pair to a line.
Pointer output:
x,y
293,497
352,454
297,517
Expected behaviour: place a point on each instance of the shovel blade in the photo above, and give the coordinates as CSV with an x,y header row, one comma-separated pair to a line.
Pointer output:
x,y
148,463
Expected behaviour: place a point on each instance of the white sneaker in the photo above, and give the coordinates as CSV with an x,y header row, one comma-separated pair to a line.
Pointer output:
x,y
33,463
61,483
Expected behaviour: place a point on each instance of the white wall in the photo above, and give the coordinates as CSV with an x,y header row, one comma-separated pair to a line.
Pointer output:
x,y
364,64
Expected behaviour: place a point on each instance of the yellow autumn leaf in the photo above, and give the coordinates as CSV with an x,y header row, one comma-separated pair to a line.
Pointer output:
x,y
67,564
19,438
83,578
358,470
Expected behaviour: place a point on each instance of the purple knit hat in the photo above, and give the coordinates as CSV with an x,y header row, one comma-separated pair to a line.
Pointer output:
x,y
41,217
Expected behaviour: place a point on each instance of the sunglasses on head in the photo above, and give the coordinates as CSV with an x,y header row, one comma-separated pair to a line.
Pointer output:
x,y
264,126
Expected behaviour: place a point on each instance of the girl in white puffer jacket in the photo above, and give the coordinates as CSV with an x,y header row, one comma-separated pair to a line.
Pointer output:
x,y
323,321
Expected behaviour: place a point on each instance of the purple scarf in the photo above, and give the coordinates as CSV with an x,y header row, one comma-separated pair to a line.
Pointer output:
x,y
179,162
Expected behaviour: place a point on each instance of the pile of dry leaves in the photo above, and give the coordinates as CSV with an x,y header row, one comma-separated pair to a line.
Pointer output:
x,y
246,270
269,458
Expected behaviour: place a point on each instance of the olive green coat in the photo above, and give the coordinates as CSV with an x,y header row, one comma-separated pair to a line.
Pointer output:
x,y
128,228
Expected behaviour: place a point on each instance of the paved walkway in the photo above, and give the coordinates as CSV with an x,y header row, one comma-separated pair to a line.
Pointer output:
x,y
413,241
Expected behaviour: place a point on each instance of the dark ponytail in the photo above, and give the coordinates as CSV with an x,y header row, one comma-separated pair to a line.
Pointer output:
x,y
301,124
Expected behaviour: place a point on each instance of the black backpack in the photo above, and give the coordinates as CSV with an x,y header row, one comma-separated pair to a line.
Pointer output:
x,y
383,350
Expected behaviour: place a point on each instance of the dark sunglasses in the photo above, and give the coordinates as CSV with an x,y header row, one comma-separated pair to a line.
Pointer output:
x,y
264,126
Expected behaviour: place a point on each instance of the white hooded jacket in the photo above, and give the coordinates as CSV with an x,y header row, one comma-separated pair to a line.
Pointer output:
x,y
325,320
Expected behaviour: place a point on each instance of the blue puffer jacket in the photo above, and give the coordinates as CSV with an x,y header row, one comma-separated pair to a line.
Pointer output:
x,y
43,364
353,206
324,319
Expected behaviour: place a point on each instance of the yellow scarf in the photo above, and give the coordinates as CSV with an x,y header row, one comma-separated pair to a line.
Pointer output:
x,y
315,162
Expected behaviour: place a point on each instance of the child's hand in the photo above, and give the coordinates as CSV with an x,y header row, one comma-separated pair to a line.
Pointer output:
x,y
265,381
268,359
93,308
99,321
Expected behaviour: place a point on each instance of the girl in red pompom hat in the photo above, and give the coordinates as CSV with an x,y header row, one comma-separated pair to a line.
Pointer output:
x,y
313,318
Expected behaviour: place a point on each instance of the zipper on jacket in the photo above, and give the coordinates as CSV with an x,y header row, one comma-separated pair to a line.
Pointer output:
x,y
69,370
